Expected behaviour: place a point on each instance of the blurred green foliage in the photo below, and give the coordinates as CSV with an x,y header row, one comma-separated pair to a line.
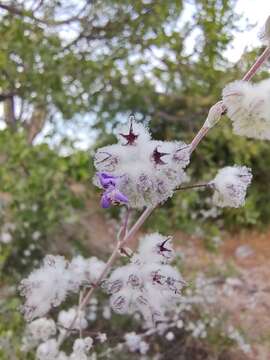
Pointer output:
x,y
36,195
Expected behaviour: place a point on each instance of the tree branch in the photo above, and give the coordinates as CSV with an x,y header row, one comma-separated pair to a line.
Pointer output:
x,y
22,12
5,96
9,112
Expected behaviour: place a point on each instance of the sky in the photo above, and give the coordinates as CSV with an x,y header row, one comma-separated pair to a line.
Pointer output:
x,y
256,12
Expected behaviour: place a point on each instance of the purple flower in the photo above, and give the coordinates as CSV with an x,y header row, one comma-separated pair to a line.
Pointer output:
x,y
112,195
106,180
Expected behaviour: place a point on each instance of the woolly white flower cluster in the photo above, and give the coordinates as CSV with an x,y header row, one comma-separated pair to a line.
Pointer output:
x,y
134,342
148,170
66,317
41,334
49,350
49,285
248,106
235,335
148,284
230,186
265,33
41,329
81,348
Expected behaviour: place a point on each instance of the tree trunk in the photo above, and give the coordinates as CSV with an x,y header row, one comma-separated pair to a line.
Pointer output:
x,y
9,112
36,123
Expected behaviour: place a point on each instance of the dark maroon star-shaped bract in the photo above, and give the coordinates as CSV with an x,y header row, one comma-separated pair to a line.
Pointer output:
x,y
131,137
162,247
157,157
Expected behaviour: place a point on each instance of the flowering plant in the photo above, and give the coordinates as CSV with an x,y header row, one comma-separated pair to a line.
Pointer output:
x,y
139,172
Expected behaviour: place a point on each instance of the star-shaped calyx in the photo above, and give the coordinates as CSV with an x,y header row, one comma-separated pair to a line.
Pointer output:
x,y
131,137
162,247
157,157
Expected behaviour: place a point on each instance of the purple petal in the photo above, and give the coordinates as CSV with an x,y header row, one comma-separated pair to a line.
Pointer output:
x,y
106,180
113,196
119,197
105,201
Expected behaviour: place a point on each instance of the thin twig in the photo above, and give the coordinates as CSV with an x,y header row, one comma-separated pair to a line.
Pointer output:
x,y
147,212
256,66
124,227
198,138
16,10
194,186
80,314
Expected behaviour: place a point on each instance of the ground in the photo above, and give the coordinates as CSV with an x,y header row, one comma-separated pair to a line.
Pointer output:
x,y
247,298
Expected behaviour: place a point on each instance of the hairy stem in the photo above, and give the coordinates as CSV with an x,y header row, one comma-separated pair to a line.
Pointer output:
x,y
257,65
124,228
80,320
147,212
194,186
198,138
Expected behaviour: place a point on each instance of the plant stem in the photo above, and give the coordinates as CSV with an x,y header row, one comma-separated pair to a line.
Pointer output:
x,y
256,66
124,227
198,138
80,315
194,186
147,212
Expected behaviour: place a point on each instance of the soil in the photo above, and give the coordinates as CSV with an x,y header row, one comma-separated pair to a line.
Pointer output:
x,y
248,299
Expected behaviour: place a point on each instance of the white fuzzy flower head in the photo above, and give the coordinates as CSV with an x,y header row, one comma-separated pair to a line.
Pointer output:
x,y
62,356
135,343
47,350
143,347
265,33
170,336
45,287
156,248
230,186
85,271
132,341
5,238
147,284
66,317
36,235
102,337
106,313
147,171
248,106
96,267
41,329
81,347
49,285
